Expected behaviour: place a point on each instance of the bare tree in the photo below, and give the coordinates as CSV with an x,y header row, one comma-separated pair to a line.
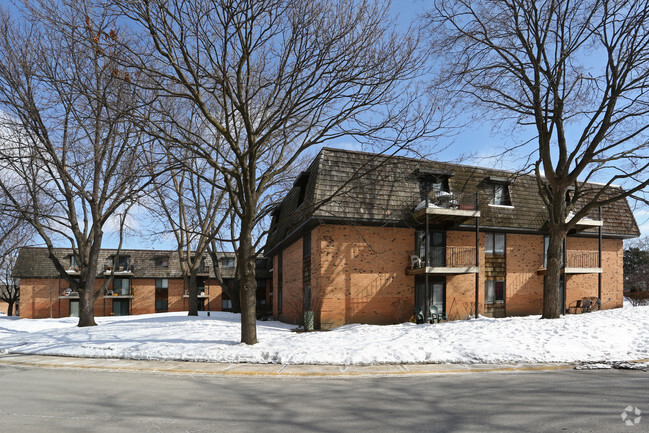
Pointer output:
x,y
194,208
572,74
14,234
70,157
274,79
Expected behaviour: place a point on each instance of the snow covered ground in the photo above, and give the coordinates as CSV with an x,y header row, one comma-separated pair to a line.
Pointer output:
x,y
603,336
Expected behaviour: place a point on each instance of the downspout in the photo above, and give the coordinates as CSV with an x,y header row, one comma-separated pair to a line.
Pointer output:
x,y
477,255
599,263
426,261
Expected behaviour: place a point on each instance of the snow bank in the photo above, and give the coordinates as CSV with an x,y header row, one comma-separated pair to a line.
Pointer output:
x,y
603,336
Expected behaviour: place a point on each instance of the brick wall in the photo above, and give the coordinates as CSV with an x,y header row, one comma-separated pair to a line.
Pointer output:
x,y
39,297
460,289
292,285
523,283
586,285
359,275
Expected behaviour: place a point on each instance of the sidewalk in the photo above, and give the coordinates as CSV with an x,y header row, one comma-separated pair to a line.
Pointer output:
x,y
206,368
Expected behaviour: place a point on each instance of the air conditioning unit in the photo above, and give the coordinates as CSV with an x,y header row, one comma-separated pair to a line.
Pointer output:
x,y
109,293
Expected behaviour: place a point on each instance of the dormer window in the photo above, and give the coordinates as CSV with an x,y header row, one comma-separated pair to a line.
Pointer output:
x,y
432,183
301,182
227,262
275,218
498,191
162,262
73,262
123,262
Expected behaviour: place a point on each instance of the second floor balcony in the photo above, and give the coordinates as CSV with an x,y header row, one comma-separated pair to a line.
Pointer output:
x,y
582,262
444,261
446,206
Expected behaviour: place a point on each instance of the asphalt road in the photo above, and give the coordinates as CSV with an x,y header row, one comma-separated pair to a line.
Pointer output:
x,y
70,400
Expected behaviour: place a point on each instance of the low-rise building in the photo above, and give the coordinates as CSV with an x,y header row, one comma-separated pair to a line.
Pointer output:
x,y
362,238
144,281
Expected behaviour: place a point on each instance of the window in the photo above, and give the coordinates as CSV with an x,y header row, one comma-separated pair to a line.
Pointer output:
x,y
122,263
301,182
227,262
73,262
430,183
261,293
161,295
546,245
494,292
74,308
162,262
226,303
494,243
202,267
121,286
260,263
499,193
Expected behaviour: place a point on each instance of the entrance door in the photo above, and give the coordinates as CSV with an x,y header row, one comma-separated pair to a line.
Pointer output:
x,y
437,243
438,297
436,290
74,308
120,307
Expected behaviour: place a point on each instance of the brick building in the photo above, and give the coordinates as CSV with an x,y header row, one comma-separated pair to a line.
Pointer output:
x,y
145,281
365,239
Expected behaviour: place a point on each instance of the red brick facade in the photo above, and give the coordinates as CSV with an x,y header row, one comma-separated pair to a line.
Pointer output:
x,y
359,275
44,297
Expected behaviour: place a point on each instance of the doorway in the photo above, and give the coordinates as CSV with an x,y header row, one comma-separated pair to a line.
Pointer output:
x,y
436,290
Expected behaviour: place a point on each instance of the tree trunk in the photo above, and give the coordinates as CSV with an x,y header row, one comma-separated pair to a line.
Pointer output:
x,y
87,304
87,290
247,284
192,288
553,275
10,308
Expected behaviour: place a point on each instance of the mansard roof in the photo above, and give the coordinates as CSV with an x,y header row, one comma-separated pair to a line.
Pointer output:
x,y
342,186
33,262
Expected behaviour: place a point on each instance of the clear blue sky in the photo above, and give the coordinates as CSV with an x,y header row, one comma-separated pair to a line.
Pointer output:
x,y
476,139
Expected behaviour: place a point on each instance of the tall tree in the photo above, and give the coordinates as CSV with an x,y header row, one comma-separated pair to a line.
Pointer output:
x,y
194,208
636,265
70,157
273,79
14,233
572,74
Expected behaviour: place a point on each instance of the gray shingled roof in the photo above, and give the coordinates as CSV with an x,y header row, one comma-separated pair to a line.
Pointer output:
x,y
389,190
35,263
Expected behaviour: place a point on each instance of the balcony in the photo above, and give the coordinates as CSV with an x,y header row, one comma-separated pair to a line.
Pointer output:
x,y
73,271
585,223
445,261
203,293
582,262
448,207
69,294
119,293
120,271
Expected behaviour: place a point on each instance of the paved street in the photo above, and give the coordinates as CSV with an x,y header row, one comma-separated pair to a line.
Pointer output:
x,y
38,399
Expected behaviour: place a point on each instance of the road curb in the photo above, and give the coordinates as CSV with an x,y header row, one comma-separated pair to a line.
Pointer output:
x,y
274,370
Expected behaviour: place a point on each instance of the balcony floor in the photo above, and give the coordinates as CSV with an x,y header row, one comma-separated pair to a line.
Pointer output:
x,y
443,270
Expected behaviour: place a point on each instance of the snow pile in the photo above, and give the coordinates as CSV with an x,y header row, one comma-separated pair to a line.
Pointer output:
x,y
603,336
